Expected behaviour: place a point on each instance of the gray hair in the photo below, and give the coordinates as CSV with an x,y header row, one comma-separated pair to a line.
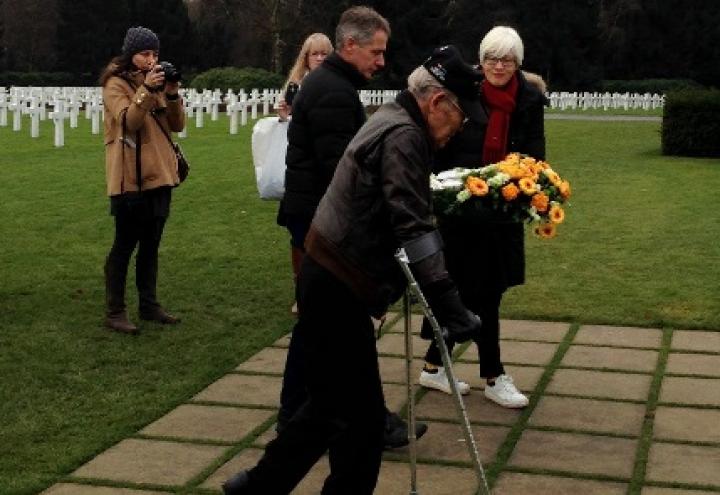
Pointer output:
x,y
359,23
501,41
422,84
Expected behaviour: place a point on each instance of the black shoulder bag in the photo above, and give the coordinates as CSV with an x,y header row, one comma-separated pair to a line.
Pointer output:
x,y
183,164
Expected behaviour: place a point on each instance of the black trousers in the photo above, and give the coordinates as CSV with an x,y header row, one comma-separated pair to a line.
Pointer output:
x,y
486,305
344,411
136,225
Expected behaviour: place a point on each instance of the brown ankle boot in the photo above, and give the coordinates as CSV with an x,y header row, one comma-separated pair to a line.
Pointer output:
x,y
159,315
120,323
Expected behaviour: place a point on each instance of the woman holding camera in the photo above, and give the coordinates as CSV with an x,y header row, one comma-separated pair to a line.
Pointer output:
x,y
141,109
314,50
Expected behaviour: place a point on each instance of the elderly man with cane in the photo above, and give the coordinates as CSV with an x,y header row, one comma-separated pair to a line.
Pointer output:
x,y
378,201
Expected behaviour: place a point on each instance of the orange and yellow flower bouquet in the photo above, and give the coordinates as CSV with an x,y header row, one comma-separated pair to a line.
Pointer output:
x,y
519,189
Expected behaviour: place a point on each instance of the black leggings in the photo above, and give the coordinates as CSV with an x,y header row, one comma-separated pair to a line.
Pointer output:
x,y
487,306
135,225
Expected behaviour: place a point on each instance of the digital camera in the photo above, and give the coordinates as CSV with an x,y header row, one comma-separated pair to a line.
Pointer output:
x,y
172,74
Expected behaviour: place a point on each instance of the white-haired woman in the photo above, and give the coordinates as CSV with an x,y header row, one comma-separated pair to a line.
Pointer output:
x,y
487,257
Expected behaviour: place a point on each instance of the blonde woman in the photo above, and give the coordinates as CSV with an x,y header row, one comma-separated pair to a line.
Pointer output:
x,y
315,49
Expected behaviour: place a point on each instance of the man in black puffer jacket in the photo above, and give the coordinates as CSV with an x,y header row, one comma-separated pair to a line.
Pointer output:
x,y
327,113
378,201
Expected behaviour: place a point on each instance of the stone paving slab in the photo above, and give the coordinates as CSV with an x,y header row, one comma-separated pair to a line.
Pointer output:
x,y
619,336
399,325
693,364
394,477
572,452
251,390
600,384
524,377
684,464
395,396
151,461
546,331
431,480
268,360
584,356
394,343
517,352
654,490
392,369
446,442
690,390
438,405
589,415
524,484
222,424
283,341
690,424
75,489
689,340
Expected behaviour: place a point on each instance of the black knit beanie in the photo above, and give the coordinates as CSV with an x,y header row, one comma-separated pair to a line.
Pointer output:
x,y
138,39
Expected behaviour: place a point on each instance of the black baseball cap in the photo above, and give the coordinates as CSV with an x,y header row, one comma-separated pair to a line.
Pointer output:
x,y
448,67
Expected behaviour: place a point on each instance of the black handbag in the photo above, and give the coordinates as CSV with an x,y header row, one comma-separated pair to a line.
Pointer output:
x,y
183,164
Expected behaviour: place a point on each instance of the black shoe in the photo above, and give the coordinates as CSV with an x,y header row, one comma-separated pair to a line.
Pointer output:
x,y
396,431
237,484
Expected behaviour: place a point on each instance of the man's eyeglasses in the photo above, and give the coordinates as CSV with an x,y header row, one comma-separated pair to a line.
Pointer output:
x,y
504,61
462,114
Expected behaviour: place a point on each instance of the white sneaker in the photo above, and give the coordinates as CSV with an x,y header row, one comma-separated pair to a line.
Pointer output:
x,y
439,381
505,393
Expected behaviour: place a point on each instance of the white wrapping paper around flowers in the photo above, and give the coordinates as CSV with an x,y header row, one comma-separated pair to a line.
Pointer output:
x,y
269,145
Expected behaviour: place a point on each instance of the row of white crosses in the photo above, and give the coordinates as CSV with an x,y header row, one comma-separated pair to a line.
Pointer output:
x,y
586,100
65,102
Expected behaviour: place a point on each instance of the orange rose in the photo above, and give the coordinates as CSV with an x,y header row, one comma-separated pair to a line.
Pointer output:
x,y
476,186
540,202
556,214
564,189
527,185
510,191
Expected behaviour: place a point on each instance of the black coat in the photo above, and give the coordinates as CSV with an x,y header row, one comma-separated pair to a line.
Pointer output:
x,y
327,113
489,255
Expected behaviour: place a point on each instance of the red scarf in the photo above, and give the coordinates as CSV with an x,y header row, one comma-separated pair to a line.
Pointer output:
x,y
501,102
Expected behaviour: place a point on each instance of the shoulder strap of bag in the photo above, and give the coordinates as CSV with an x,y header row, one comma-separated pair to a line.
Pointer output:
x,y
172,145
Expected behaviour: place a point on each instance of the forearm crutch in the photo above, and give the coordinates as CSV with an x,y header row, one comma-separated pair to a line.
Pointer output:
x,y
414,289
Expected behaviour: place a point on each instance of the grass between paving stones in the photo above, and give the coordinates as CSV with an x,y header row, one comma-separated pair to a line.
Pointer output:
x,y
639,247
646,435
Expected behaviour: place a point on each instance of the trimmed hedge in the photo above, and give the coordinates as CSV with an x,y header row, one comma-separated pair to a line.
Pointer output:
x,y
247,78
642,86
691,123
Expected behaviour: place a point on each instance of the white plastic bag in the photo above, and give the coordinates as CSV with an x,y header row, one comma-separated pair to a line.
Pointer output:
x,y
269,145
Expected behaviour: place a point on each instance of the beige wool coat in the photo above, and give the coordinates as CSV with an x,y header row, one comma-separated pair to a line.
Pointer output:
x,y
157,157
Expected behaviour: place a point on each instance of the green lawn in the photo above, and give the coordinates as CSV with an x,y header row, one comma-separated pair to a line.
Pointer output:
x,y
639,247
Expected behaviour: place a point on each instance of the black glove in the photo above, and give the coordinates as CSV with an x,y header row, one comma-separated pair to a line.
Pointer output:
x,y
452,315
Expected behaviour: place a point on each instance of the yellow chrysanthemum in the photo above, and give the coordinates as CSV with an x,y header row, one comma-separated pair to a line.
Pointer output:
x,y
536,168
546,230
527,185
513,158
564,188
543,165
540,201
476,186
528,161
556,214
553,177
510,191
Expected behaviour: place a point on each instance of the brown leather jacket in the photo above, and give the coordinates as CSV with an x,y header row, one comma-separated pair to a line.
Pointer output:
x,y
379,200
121,100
